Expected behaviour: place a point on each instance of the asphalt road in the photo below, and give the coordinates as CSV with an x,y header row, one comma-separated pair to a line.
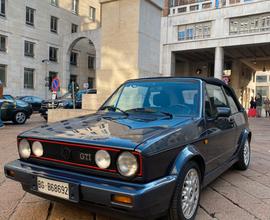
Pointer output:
x,y
234,195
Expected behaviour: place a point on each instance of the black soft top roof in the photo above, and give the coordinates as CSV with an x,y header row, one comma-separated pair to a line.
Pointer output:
x,y
210,80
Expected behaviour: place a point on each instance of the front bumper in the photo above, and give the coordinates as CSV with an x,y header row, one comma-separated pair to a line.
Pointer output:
x,y
149,199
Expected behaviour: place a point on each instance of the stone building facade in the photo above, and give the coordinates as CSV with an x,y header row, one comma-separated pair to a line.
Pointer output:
x,y
33,44
227,39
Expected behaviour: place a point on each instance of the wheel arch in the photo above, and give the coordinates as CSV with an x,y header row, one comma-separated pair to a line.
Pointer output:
x,y
246,134
189,153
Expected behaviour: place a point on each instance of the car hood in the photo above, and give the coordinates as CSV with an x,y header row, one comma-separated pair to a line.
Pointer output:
x,y
103,130
21,103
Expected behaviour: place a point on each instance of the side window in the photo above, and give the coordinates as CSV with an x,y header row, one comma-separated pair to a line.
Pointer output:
x,y
27,99
233,105
216,98
36,99
208,110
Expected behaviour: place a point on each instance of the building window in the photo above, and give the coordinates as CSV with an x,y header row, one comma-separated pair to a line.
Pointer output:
x,y
73,78
92,13
28,78
75,6
3,43
263,90
250,24
261,79
29,49
194,8
3,8
74,28
91,82
53,54
194,31
73,58
54,24
54,3
30,16
91,62
3,73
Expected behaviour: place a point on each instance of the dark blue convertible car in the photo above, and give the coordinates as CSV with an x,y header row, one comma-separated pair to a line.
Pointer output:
x,y
146,153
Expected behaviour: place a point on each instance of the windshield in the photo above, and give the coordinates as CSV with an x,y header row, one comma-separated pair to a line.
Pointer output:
x,y
9,97
67,96
178,98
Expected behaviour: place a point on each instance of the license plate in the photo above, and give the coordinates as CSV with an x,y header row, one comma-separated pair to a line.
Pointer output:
x,y
53,188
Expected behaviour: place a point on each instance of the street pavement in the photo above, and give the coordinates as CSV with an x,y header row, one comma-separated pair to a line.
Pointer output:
x,y
233,196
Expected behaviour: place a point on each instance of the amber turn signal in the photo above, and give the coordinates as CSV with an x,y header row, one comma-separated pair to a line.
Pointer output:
x,y
122,199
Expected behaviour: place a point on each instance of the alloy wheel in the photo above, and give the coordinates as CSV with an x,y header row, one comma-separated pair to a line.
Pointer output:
x,y
190,193
20,117
246,153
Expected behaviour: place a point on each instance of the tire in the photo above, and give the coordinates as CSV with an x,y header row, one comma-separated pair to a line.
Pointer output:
x,y
244,156
177,210
19,118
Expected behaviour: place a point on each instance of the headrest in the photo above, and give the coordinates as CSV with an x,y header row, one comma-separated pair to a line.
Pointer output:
x,y
161,100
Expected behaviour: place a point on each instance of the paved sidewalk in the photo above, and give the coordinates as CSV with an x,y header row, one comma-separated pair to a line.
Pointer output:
x,y
234,196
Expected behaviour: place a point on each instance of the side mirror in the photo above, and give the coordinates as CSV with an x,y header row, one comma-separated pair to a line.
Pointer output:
x,y
223,112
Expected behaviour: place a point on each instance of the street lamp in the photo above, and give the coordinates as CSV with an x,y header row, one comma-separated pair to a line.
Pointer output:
x,y
46,62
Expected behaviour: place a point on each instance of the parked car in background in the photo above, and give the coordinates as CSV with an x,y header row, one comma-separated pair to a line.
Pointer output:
x,y
147,152
14,110
64,101
33,100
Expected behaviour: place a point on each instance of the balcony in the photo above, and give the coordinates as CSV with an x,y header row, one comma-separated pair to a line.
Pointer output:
x,y
184,6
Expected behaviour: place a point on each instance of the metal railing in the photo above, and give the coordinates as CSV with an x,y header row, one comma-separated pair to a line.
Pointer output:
x,y
183,6
196,5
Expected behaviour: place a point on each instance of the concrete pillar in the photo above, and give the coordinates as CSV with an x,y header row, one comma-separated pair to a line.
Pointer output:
x,y
235,77
219,62
168,62
130,42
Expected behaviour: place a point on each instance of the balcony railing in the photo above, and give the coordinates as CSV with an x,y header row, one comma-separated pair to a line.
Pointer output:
x,y
183,6
191,5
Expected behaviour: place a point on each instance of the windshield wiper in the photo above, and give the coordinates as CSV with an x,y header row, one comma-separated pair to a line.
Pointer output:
x,y
167,114
150,110
113,108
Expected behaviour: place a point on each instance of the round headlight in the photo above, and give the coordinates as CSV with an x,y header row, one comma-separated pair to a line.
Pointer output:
x,y
103,159
24,149
127,164
37,148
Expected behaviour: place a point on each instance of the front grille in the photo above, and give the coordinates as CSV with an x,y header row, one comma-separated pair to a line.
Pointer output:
x,y
76,155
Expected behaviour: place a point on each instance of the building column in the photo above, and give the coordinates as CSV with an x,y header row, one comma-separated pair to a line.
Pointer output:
x,y
168,62
219,62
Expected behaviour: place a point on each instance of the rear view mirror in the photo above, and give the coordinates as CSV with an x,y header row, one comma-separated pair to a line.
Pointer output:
x,y
224,112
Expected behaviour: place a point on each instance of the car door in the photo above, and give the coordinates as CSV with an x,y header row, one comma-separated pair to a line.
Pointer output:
x,y
220,131
7,110
36,103
237,116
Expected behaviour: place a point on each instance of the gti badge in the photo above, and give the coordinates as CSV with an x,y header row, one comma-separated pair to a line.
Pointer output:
x,y
85,157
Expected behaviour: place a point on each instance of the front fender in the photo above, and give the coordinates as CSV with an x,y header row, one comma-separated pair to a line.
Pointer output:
x,y
185,155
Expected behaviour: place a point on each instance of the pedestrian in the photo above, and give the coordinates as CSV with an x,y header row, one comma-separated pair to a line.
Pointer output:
x,y
1,102
252,103
259,103
252,110
267,107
